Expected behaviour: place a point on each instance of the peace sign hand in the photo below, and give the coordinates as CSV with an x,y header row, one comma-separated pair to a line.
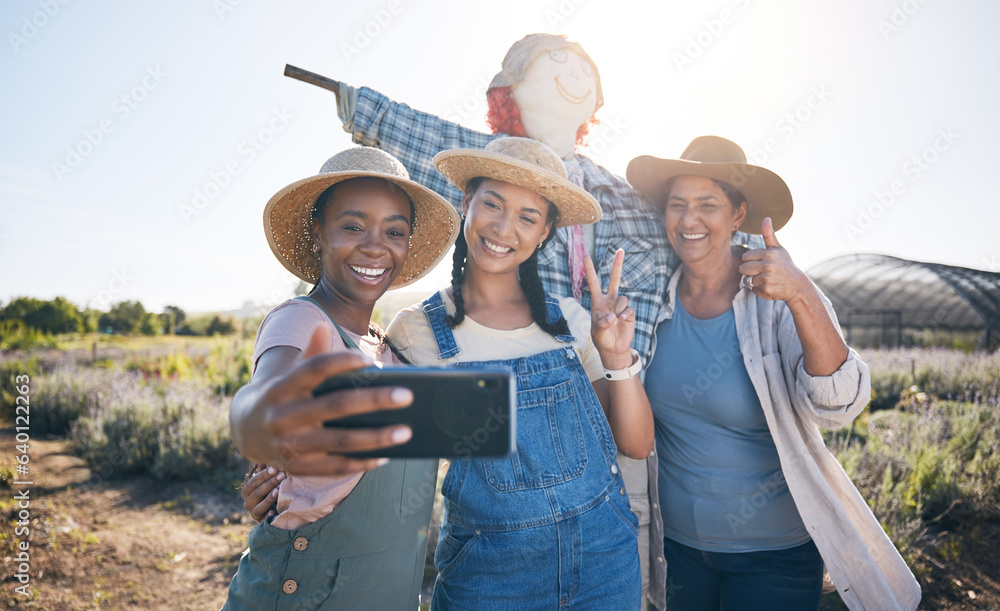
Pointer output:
x,y
612,320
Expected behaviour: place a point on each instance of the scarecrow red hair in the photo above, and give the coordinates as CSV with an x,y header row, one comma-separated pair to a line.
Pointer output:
x,y
504,116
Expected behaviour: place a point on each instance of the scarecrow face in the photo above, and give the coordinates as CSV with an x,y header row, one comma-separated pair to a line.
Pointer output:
x,y
571,76
557,96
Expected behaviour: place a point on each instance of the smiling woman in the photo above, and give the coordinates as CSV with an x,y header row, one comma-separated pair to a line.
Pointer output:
x,y
362,230
355,230
553,517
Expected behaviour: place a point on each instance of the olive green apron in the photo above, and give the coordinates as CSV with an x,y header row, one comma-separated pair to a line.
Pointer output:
x,y
368,553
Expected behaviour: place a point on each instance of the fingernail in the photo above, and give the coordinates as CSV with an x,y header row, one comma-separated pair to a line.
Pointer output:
x,y
274,492
270,470
280,477
401,396
382,461
402,434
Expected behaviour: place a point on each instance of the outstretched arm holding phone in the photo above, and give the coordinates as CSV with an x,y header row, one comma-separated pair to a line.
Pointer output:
x,y
275,420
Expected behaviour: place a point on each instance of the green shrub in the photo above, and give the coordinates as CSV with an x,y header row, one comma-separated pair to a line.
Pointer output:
x,y
170,430
929,465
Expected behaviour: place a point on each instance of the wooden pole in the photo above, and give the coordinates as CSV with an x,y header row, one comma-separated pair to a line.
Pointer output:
x,y
312,78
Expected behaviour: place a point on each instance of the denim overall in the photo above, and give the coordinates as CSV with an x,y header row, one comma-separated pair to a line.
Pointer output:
x,y
550,526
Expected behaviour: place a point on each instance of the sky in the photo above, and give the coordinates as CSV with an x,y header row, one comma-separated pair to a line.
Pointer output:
x,y
142,140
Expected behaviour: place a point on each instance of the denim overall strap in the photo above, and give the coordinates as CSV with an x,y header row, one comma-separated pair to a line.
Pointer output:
x,y
554,314
343,336
433,308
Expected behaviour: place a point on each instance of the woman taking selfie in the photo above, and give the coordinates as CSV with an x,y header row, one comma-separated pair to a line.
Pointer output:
x,y
344,536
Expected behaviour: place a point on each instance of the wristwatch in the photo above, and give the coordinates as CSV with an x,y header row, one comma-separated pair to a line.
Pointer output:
x,y
627,373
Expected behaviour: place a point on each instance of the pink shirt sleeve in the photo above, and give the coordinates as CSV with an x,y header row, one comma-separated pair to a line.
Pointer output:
x,y
305,499
292,324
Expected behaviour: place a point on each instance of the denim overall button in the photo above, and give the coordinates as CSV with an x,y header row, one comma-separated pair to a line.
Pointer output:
x,y
614,468
300,543
621,491
289,586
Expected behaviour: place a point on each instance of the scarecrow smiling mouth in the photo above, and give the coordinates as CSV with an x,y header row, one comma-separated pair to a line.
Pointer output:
x,y
569,97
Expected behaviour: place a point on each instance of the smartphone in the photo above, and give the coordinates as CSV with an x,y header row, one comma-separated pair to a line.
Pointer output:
x,y
456,412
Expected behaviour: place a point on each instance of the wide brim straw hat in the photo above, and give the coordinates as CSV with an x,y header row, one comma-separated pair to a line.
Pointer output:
x,y
526,163
523,52
288,216
766,193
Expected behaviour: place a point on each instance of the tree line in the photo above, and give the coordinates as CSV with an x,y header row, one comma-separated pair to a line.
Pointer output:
x,y
58,316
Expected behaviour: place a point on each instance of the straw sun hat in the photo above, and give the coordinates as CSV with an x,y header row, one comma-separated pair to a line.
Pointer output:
x,y
526,163
766,193
288,219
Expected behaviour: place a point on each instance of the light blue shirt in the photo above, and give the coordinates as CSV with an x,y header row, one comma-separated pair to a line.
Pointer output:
x,y
721,487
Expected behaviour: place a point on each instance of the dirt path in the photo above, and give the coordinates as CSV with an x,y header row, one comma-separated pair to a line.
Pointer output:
x,y
126,543
141,544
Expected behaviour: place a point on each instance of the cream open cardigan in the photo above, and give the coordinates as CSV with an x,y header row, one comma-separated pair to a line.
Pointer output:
x,y
865,567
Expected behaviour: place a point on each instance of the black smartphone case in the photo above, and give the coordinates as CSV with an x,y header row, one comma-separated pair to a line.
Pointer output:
x,y
456,412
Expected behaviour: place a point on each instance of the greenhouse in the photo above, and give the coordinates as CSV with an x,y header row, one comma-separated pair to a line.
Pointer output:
x,y
887,301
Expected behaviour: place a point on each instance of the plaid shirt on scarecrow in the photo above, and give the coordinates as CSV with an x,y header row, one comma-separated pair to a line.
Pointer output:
x,y
630,222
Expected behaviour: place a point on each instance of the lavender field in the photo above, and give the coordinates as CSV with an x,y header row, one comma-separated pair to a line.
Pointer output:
x,y
925,454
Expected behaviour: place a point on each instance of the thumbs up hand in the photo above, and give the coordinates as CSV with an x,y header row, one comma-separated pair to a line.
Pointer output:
x,y
769,272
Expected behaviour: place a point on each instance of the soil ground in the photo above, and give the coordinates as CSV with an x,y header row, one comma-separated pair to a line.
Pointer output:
x,y
137,543
128,543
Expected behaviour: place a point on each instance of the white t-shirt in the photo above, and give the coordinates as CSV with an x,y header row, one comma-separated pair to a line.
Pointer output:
x,y
303,499
411,333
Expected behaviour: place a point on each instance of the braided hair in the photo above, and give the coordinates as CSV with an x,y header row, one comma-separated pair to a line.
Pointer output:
x,y
527,277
